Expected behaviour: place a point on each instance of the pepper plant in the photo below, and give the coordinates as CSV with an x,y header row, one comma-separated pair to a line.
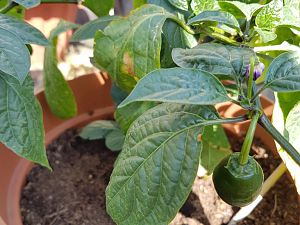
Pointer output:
x,y
171,62
174,61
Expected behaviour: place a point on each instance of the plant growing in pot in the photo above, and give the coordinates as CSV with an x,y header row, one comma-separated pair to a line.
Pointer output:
x,y
167,61
171,58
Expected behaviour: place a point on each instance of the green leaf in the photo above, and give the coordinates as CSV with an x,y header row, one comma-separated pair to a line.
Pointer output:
x,y
215,147
287,101
215,16
59,95
138,3
174,37
26,32
283,74
14,55
62,27
115,140
180,4
240,9
88,30
28,3
177,85
157,166
215,58
99,7
266,36
129,48
21,119
98,129
199,6
270,16
291,15
292,126
169,7
125,116
117,94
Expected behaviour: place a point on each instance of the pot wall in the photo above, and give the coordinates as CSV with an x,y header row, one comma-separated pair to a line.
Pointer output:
x,y
94,102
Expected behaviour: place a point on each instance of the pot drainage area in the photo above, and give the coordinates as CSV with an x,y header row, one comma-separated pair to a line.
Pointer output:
x,y
74,193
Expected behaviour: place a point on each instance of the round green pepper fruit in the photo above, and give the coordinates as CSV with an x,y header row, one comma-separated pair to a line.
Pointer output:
x,y
236,184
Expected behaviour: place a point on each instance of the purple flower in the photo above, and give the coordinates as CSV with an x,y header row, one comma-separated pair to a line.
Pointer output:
x,y
258,70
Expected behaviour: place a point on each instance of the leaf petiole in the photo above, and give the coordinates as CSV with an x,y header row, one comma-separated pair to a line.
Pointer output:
x,y
250,81
183,25
287,146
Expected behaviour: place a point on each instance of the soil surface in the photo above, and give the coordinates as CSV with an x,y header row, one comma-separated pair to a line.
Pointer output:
x,y
74,193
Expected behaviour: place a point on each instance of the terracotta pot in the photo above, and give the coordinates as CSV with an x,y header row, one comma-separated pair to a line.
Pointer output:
x,y
94,102
45,17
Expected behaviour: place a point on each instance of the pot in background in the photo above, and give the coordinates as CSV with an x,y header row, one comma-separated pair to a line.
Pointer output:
x,y
92,94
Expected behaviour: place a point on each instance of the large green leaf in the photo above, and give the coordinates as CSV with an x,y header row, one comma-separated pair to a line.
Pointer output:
x,y
283,74
88,30
287,101
129,48
215,58
28,3
59,95
266,36
292,126
240,9
169,7
215,16
291,14
21,119
157,166
178,85
199,6
215,147
126,115
98,129
180,4
14,55
138,3
270,16
174,36
26,32
99,7
114,140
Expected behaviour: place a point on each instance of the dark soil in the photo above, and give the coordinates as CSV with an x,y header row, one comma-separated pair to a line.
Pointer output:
x,y
74,193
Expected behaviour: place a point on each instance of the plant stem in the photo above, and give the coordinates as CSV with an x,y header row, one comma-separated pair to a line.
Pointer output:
x,y
257,93
183,25
243,159
285,46
250,81
60,1
8,7
287,146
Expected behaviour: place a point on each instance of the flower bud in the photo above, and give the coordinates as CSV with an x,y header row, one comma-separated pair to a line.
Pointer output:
x,y
258,70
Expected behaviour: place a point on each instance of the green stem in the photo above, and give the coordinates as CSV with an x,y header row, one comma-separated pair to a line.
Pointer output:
x,y
183,25
250,80
266,123
243,159
8,7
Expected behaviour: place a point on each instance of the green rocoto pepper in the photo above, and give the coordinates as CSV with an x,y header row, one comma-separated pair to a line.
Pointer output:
x,y
236,184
